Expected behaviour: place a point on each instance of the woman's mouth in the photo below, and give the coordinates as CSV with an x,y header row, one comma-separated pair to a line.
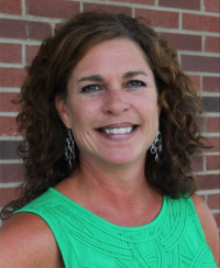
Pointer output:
x,y
116,131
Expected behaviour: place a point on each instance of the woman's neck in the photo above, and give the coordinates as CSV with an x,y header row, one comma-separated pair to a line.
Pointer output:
x,y
115,194
117,187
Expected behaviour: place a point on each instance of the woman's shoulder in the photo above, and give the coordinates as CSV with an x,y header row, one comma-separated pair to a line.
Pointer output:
x,y
27,241
208,225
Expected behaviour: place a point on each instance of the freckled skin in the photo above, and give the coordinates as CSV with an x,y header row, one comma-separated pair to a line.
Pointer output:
x,y
115,101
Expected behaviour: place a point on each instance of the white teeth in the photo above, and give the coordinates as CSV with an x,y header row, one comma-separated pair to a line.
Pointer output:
x,y
122,130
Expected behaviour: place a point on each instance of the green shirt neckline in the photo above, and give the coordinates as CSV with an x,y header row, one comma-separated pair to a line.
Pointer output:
x,y
173,239
92,217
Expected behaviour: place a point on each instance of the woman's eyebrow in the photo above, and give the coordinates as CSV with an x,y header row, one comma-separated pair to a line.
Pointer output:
x,y
133,73
95,78
98,78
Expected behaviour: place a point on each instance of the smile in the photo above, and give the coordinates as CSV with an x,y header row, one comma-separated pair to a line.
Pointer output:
x,y
122,130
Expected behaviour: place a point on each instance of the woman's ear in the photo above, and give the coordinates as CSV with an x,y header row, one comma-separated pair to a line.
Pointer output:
x,y
63,111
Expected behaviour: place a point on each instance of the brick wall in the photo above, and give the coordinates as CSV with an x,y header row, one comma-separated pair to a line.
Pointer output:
x,y
191,26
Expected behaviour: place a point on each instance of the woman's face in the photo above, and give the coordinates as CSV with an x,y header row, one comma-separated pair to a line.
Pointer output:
x,y
112,105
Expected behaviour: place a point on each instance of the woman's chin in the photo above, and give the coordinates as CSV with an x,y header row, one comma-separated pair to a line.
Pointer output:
x,y
118,160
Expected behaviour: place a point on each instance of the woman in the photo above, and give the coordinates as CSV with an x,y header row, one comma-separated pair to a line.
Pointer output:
x,y
110,131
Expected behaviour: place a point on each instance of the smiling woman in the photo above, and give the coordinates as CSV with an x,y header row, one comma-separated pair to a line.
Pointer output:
x,y
109,121
107,109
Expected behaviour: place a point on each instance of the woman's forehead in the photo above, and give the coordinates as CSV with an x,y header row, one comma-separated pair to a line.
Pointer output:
x,y
118,54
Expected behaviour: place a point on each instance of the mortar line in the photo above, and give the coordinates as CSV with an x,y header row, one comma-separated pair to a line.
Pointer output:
x,y
23,3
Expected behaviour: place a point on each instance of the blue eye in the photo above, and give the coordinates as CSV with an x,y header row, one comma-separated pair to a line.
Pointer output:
x,y
91,88
136,84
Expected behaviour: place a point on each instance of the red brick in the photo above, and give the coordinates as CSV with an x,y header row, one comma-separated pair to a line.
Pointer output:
x,y
10,53
186,4
212,44
9,149
200,23
184,41
217,218
200,63
12,77
212,162
5,102
211,84
201,123
7,195
107,8
144,2
214,201
214,141
157,18
12,172
196,81
208,182
8,126
212,5
10,6
22,29
52,8
198,164
31,52
213,124
211,104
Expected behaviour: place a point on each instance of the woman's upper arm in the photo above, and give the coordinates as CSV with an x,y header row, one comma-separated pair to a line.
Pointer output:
x,y
208,224
26,241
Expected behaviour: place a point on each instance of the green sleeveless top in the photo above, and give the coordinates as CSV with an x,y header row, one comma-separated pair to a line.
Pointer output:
x,y
174,239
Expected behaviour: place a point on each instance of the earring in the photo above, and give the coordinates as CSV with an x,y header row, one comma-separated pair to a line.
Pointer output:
x,y
69,148
156,147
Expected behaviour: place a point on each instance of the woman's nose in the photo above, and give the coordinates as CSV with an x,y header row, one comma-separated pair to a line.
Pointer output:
x,y
115,102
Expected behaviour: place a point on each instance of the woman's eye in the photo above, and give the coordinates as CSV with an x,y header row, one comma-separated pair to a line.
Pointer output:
x,y
91,88
136,84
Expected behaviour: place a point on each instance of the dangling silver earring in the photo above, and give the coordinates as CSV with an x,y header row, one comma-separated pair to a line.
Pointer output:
x,y
69,148
156,147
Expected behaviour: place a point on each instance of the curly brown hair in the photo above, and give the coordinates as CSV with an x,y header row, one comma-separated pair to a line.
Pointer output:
x,y
44,133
